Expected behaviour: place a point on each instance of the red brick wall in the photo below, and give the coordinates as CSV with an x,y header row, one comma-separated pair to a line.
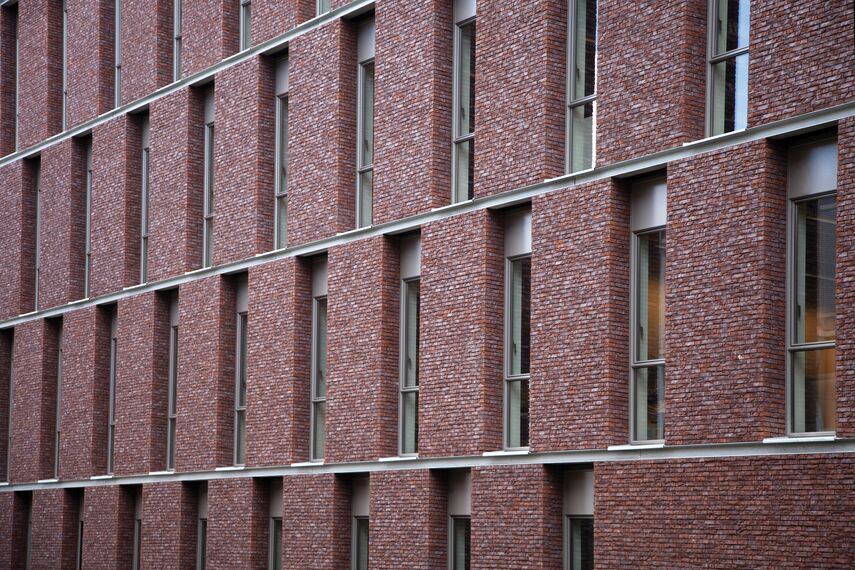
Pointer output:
x,y
40,83
412,108
845,324
322,133
54,529
409,504
169,526
237,524
85,393
776,512
520,65
317,532
63,224
176,178
362,375
278,373
108,529
91,53
146,47
206,375
142,384
210,33
651,77
725,296
244,150
17,238
271,18
814,37
7,339
462,284
115,205
580,318
8,528
7,79
516,517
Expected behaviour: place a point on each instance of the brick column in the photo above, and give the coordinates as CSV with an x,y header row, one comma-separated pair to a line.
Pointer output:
x,y
146,47
108,530
316,522
210,33
238,523
54,529
17,238
90,59
40,76
169,521
845,323
271,18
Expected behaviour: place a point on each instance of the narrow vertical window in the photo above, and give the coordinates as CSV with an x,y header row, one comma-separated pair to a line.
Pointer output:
x,y
36,172
172,379
365,125
136,561
80,513
359,511
117,51
64,64
517,326
245,24
240,372
410,318
280,204
323,6
581,84
208,181
812,186
144,197
578,519
460,539
319,360
463,103
176,40
87,248
111,422
27,497
8,340
16,19
57,325
649,210
274,558
202,527
459,513
727,75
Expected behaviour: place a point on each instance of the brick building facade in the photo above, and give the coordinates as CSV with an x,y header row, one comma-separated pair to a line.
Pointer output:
x,y
331,284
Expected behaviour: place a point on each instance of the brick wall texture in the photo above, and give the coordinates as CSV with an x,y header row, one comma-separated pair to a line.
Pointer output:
x,y
725,295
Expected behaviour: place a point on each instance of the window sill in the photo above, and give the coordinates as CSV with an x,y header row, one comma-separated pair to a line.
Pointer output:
x,y
398,458
4,484
636,446
712,137
506,452
165,472
99,477
132,287
797,439
48,480
230,468
307,464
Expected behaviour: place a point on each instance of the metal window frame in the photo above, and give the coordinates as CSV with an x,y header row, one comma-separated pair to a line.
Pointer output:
x,y
245,23
37,174
144,213
111,413
712,59
201,543
570,102
354,539
360,152
208,197
402,367
79,546
793,348
451,544
137,552
634,363
458,140
315,399
172,397
271,550
117,59
87,247
322,7
17,75
567,549
241,348
508,350
280,239
58,411
8,473
64,64
177,39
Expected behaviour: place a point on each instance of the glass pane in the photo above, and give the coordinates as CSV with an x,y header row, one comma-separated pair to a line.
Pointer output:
x,y
173,368
815,252
585,48
283,144
460,543
520,317
730,95
245,26
209,242
241,387
170,459
464,170
240,437
650,300
367,136
202,546
281,221
732,25
209,169
410,422
814,399
411,331
361,544
518,413
137,545
582,136
366,191
581,544
318,428
466,80
323,6
321,349
649,403
276,544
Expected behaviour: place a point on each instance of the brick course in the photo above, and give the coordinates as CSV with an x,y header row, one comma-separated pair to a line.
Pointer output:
x,y
845,324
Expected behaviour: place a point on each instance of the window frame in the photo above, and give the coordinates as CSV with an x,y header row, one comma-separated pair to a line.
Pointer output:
x,y
357,520
361,168
64,63
272,562
87,247
457,141
8,473
567,549
241,353
58,412
145,195
111,411
245,25
509,377
177,40
315,399
403,389
280,233
452,550
322,7
714,58
570,102
208,196
117,55
172,398
37,174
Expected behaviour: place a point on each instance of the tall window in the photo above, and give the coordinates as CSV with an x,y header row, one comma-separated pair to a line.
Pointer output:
x,y
240,372
245,24
176,40
281,190
144,198
410,314
578,520
64,64
14,9
581,84
463,103
460,532
365,125
648,217
727,77
172,390
323,6
359,512
319,359
208,180
517,326
111,433
56,324
202,526
812,268
87,248
459,511
274,558
136,561
35,169
79,498
7,338
117,50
